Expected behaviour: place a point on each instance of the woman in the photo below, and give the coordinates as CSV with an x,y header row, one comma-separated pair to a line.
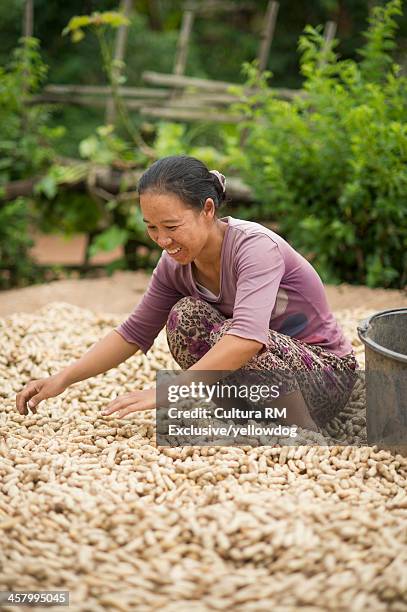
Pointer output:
x,y
232,294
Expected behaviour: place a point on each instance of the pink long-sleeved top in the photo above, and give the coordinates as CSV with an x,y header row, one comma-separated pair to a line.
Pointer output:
x,y
265,284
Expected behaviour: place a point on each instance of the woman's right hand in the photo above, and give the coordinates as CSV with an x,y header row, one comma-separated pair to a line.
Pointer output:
x,y
37,390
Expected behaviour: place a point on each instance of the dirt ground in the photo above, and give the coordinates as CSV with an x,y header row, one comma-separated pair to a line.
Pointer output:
x,y
123,290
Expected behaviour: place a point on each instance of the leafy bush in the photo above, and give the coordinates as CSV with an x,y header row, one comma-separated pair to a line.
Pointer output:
x,y
331,166
178,138
25,150
116,223
17,269
25,142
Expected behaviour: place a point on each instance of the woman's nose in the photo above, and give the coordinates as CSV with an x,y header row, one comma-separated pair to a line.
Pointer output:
x,y
163,242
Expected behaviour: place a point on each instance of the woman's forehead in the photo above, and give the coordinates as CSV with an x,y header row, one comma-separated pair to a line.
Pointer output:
x,y
164,207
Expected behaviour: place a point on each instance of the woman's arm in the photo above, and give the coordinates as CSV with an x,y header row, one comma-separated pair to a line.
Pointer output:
x,y
229,353
109,352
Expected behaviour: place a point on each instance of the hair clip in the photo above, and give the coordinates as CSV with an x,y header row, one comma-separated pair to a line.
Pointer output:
x,y
221,178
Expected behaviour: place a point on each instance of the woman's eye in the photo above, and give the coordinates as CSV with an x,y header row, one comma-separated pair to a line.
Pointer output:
x,y
152,228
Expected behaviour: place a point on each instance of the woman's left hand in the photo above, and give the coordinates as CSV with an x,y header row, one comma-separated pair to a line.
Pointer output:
x,y
131,402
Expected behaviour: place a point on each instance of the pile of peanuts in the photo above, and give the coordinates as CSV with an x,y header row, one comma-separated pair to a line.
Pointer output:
x,y
91,505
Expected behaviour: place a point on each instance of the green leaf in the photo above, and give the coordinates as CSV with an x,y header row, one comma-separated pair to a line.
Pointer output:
x,y
136,222
77,22
47,186
113,18
105,130
111,205
77,36
108,240
88,147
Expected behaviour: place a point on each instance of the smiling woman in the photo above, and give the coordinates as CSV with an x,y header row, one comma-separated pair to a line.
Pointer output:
x,y
234,297
233,294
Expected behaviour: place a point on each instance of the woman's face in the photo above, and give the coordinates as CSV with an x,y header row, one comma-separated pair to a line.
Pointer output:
x,y
183,232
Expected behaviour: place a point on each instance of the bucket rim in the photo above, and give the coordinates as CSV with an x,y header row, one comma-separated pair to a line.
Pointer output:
x,y
364,326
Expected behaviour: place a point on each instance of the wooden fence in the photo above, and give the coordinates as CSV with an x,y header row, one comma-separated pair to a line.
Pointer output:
x,y
175,97
172,96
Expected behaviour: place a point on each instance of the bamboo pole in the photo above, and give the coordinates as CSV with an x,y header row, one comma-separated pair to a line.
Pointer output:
x,y
172,80
183,41
329,31
267,34
189,114
264,52
28,31
181,54
136,97
28,18
80,100
329,35
104,90
121,41
131,104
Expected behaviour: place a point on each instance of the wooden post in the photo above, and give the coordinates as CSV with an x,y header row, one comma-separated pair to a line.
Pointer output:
x,y
329,31
267,34
183,41
264,51
329,35
28,31
121,41
154,15
28,18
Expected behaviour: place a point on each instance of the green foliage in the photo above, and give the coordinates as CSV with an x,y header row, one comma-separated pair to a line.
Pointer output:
x,y
109,223
170,139
177,139
72,212
101,24
25,139
16,265
68,212
58,175
330,166
109,240
26,149
380,41
105,147
108,18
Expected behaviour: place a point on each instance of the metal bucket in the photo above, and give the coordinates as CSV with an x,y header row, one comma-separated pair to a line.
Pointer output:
x,y
384,335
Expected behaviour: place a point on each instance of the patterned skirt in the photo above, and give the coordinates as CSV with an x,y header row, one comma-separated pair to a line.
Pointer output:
x,y
325,380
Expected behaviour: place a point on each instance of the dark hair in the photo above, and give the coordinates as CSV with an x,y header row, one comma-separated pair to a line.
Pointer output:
x,y
184,176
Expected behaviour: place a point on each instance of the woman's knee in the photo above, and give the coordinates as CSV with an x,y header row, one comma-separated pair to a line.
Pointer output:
x,y
189,326
219,329
192,312
183,310
178,312
186,302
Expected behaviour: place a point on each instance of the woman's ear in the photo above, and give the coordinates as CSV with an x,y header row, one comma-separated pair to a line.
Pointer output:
x,y
209,208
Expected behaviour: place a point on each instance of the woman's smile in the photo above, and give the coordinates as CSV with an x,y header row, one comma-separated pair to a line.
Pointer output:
x,y
174,251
